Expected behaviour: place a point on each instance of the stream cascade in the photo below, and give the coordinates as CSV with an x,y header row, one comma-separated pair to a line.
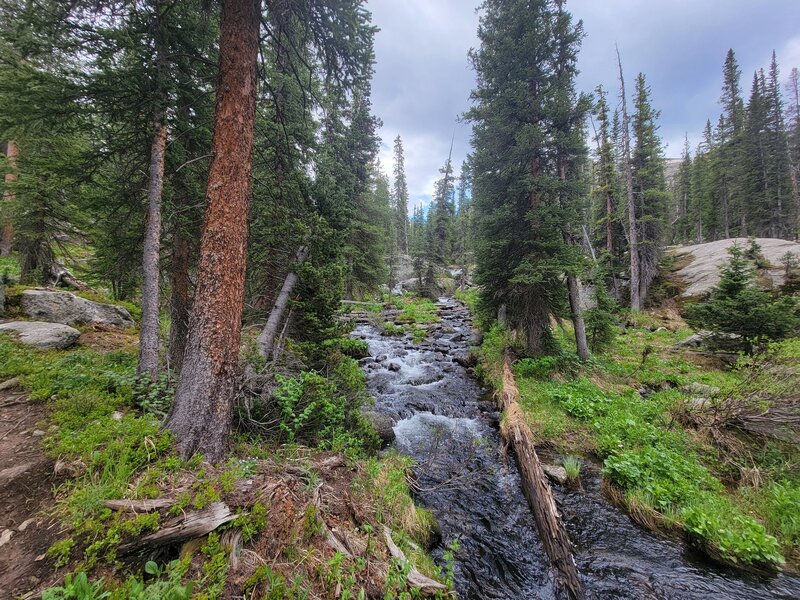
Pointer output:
x,y
449,425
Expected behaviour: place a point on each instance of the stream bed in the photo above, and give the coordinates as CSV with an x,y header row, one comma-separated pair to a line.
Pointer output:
x,y
449,425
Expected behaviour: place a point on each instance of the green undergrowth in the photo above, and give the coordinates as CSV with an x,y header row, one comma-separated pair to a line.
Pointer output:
x,y
623,406
104,428
416,314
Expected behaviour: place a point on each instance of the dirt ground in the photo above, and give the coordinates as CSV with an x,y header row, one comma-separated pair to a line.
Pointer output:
x,y
27,481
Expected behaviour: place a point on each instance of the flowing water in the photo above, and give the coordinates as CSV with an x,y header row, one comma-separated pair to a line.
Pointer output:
x,y
449,425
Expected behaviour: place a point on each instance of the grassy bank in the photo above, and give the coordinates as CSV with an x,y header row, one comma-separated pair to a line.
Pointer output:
x,y
669,456
289,487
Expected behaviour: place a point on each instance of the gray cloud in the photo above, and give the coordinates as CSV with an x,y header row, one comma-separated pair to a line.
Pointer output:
x,y
423,79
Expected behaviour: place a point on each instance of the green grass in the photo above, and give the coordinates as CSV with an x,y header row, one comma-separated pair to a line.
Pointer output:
x,y
659,466
572,465
9,268
415,310
118,450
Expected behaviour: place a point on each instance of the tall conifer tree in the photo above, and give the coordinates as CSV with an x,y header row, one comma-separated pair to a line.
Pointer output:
x,y
527,134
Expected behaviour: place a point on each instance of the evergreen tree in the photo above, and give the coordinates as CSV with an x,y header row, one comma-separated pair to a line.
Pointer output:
x,y
682,197
606,190
776,144
442,217
462,242
731,157
527,135
400,196
737,306
649,182
793,146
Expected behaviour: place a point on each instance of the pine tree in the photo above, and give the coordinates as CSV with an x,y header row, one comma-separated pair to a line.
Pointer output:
x,y
527,175
793,146
442,216
201,412
649,184
731,158
606,189
778,166
400,196
757,187
682,197
462,243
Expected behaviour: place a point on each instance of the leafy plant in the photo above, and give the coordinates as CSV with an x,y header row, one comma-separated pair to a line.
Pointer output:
x,y
77,587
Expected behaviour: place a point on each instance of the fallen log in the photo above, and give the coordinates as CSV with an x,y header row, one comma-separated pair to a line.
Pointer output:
x,y
137,506
266,339
185,527
515,431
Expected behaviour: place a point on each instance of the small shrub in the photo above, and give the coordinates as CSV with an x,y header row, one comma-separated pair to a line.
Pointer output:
x,y
737,306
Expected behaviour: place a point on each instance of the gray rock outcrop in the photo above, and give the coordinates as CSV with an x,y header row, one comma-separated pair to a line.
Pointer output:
x,y
69,309
43,336
704,262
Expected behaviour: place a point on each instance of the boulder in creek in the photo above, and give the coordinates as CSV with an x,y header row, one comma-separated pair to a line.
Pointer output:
x,y
67,308
465,359
555,473
382,424
43,336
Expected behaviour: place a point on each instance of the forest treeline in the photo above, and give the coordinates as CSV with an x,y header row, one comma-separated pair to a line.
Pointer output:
x,y
218,162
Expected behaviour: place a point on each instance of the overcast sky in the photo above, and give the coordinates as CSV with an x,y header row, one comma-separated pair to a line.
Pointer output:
x,y
423,78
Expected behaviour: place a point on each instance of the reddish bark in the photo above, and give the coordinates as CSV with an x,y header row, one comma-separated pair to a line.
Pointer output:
x,y
7,237
201,413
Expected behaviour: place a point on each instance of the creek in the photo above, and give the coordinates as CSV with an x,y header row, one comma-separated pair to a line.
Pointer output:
x,y
449,425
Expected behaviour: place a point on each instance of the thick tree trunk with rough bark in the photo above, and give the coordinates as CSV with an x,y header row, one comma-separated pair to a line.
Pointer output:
x,y
201,413
7,236
266,340
148,335
537,324
515,431
633,229
180,300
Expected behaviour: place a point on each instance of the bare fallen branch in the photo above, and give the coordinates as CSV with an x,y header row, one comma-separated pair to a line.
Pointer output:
x,y
415,578
185,527
137,506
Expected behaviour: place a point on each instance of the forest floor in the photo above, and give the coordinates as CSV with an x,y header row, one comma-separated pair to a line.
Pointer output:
x,y
289,520
27,480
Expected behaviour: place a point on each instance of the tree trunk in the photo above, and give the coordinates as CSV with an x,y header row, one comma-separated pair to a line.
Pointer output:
x,y
148,335
7,236
266,340
515,431
609,224
201,413
537,324
576,309
633,230
180,300
795,186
